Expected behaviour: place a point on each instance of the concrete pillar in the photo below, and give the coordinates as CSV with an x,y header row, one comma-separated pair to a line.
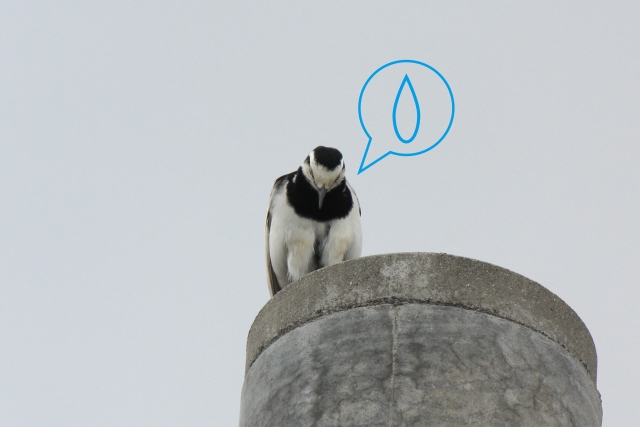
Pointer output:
x,y
419,339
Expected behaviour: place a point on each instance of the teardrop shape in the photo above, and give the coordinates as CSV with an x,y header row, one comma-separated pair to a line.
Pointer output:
x,y
406,82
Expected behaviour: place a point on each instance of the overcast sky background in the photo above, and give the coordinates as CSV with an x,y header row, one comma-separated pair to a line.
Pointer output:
x,y
139,142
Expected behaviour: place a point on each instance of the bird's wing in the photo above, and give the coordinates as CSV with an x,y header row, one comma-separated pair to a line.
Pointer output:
x,y
355,249
353,193
272,280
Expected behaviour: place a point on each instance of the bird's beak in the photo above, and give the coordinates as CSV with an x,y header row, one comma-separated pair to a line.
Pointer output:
x,y
321,193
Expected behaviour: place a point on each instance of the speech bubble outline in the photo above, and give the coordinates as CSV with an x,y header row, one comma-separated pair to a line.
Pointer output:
x,y
366,151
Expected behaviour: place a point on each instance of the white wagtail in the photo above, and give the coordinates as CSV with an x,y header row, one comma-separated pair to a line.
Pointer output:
x,y
313,219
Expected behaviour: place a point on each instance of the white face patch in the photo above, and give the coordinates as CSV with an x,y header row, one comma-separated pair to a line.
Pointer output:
x,y
320,176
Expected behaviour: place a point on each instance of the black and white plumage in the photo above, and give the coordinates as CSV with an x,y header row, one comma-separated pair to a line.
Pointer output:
x,y
313,219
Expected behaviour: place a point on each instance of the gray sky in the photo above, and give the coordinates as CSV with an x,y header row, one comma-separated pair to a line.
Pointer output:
x,y
139,142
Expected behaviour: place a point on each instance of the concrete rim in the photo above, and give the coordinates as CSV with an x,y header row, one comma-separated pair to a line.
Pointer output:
x,y
422,278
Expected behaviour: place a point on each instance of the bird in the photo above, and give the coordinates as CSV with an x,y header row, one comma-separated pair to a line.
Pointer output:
x,y
313,219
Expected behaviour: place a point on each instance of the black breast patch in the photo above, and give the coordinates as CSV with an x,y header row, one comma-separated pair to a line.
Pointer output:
x,y
304,200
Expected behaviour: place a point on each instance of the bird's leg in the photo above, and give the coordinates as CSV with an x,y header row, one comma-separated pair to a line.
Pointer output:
x,y
300,253
336,246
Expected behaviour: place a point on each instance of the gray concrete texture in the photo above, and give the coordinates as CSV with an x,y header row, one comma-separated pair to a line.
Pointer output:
x,y
419,339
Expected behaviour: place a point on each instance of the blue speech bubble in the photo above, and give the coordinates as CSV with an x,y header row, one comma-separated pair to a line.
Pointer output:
x,y
404,86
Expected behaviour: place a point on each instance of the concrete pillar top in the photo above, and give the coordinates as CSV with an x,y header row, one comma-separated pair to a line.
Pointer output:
x,y
422,278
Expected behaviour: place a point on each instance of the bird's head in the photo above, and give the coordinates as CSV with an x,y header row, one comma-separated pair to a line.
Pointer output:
x,y
324,169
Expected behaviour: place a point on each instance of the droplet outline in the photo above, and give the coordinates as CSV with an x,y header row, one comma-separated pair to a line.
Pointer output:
x,y
406,82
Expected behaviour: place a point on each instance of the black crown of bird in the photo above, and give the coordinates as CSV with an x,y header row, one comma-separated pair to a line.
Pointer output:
x,y
313,219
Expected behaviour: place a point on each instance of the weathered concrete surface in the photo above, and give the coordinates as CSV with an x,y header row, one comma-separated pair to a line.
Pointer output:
x,y
417,365
427,278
